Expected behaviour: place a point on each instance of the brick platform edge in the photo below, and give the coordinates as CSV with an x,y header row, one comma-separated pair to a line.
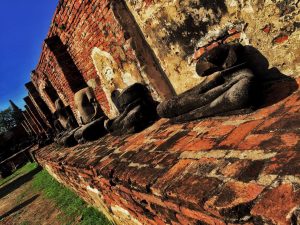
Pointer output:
x,y
224,170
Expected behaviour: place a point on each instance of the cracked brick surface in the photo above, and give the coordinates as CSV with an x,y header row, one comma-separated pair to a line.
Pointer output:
x,y
240,169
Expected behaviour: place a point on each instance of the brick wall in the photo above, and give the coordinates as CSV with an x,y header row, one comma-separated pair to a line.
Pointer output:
x,y
82,26
225,170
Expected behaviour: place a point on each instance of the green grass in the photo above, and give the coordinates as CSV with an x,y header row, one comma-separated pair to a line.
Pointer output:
x,y
75,210
70,204
25,169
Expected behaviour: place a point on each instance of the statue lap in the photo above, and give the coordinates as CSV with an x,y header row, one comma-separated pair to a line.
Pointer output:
x,y
227,87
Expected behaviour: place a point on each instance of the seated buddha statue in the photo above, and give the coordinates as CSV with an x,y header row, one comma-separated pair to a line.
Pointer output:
x,y
137,110
227,87
91,115
65,125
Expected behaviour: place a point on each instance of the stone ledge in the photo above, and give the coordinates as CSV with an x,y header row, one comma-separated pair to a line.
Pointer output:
x,y
237,169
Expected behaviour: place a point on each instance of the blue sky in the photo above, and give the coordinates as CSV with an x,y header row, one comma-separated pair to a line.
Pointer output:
x,y
24,26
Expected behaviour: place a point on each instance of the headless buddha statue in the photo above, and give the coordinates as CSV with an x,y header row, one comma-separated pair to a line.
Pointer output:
x,y
226,88
65,125
91,115
137,110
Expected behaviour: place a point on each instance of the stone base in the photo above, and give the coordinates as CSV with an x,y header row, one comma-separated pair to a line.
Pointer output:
x,y
234,169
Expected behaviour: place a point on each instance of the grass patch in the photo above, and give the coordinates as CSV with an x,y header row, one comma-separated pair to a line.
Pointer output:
x,y
25,169
74,208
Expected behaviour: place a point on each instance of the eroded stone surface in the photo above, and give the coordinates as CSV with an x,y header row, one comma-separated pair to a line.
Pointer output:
x,y
175,28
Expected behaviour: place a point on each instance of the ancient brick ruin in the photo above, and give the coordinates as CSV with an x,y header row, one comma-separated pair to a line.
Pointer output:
x,y
234,169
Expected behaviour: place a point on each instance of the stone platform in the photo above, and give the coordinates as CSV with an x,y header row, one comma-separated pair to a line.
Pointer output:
x,y
224,170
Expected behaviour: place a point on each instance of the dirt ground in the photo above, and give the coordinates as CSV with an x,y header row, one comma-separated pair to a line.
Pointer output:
x,y
19,205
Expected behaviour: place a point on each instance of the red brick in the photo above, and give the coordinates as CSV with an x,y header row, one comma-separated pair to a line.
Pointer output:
x,y
284,163
212,45
165,133
150,198
186,221
233,169
182,143
140,178
240,133
233,37
272,168
201,216
282,142
295,109
264,113
198,53
253,141
276,204
293,101
208,123
220,131
171,205
290,139
203,166
200,144
183,172
158,221
161,184
241,224
233,195
280,39
175,223
145,220
232,31
267,29
197,190
267,123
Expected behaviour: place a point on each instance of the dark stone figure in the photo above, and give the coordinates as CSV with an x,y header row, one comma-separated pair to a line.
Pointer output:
x,y
227,87
57,125
91,115
65,125
44,139
65,116
137,110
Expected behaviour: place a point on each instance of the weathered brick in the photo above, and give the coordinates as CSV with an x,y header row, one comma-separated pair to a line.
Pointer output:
x,y
200,144
220,131
202,217
197,190
182,143
277,204
253,141
238,134
290,139
243,170
162,183
284,163
280,39
266,124
234,200
186,221
267,28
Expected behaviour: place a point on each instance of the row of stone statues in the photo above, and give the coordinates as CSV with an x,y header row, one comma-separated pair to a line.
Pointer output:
x,y
226,88
136,107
